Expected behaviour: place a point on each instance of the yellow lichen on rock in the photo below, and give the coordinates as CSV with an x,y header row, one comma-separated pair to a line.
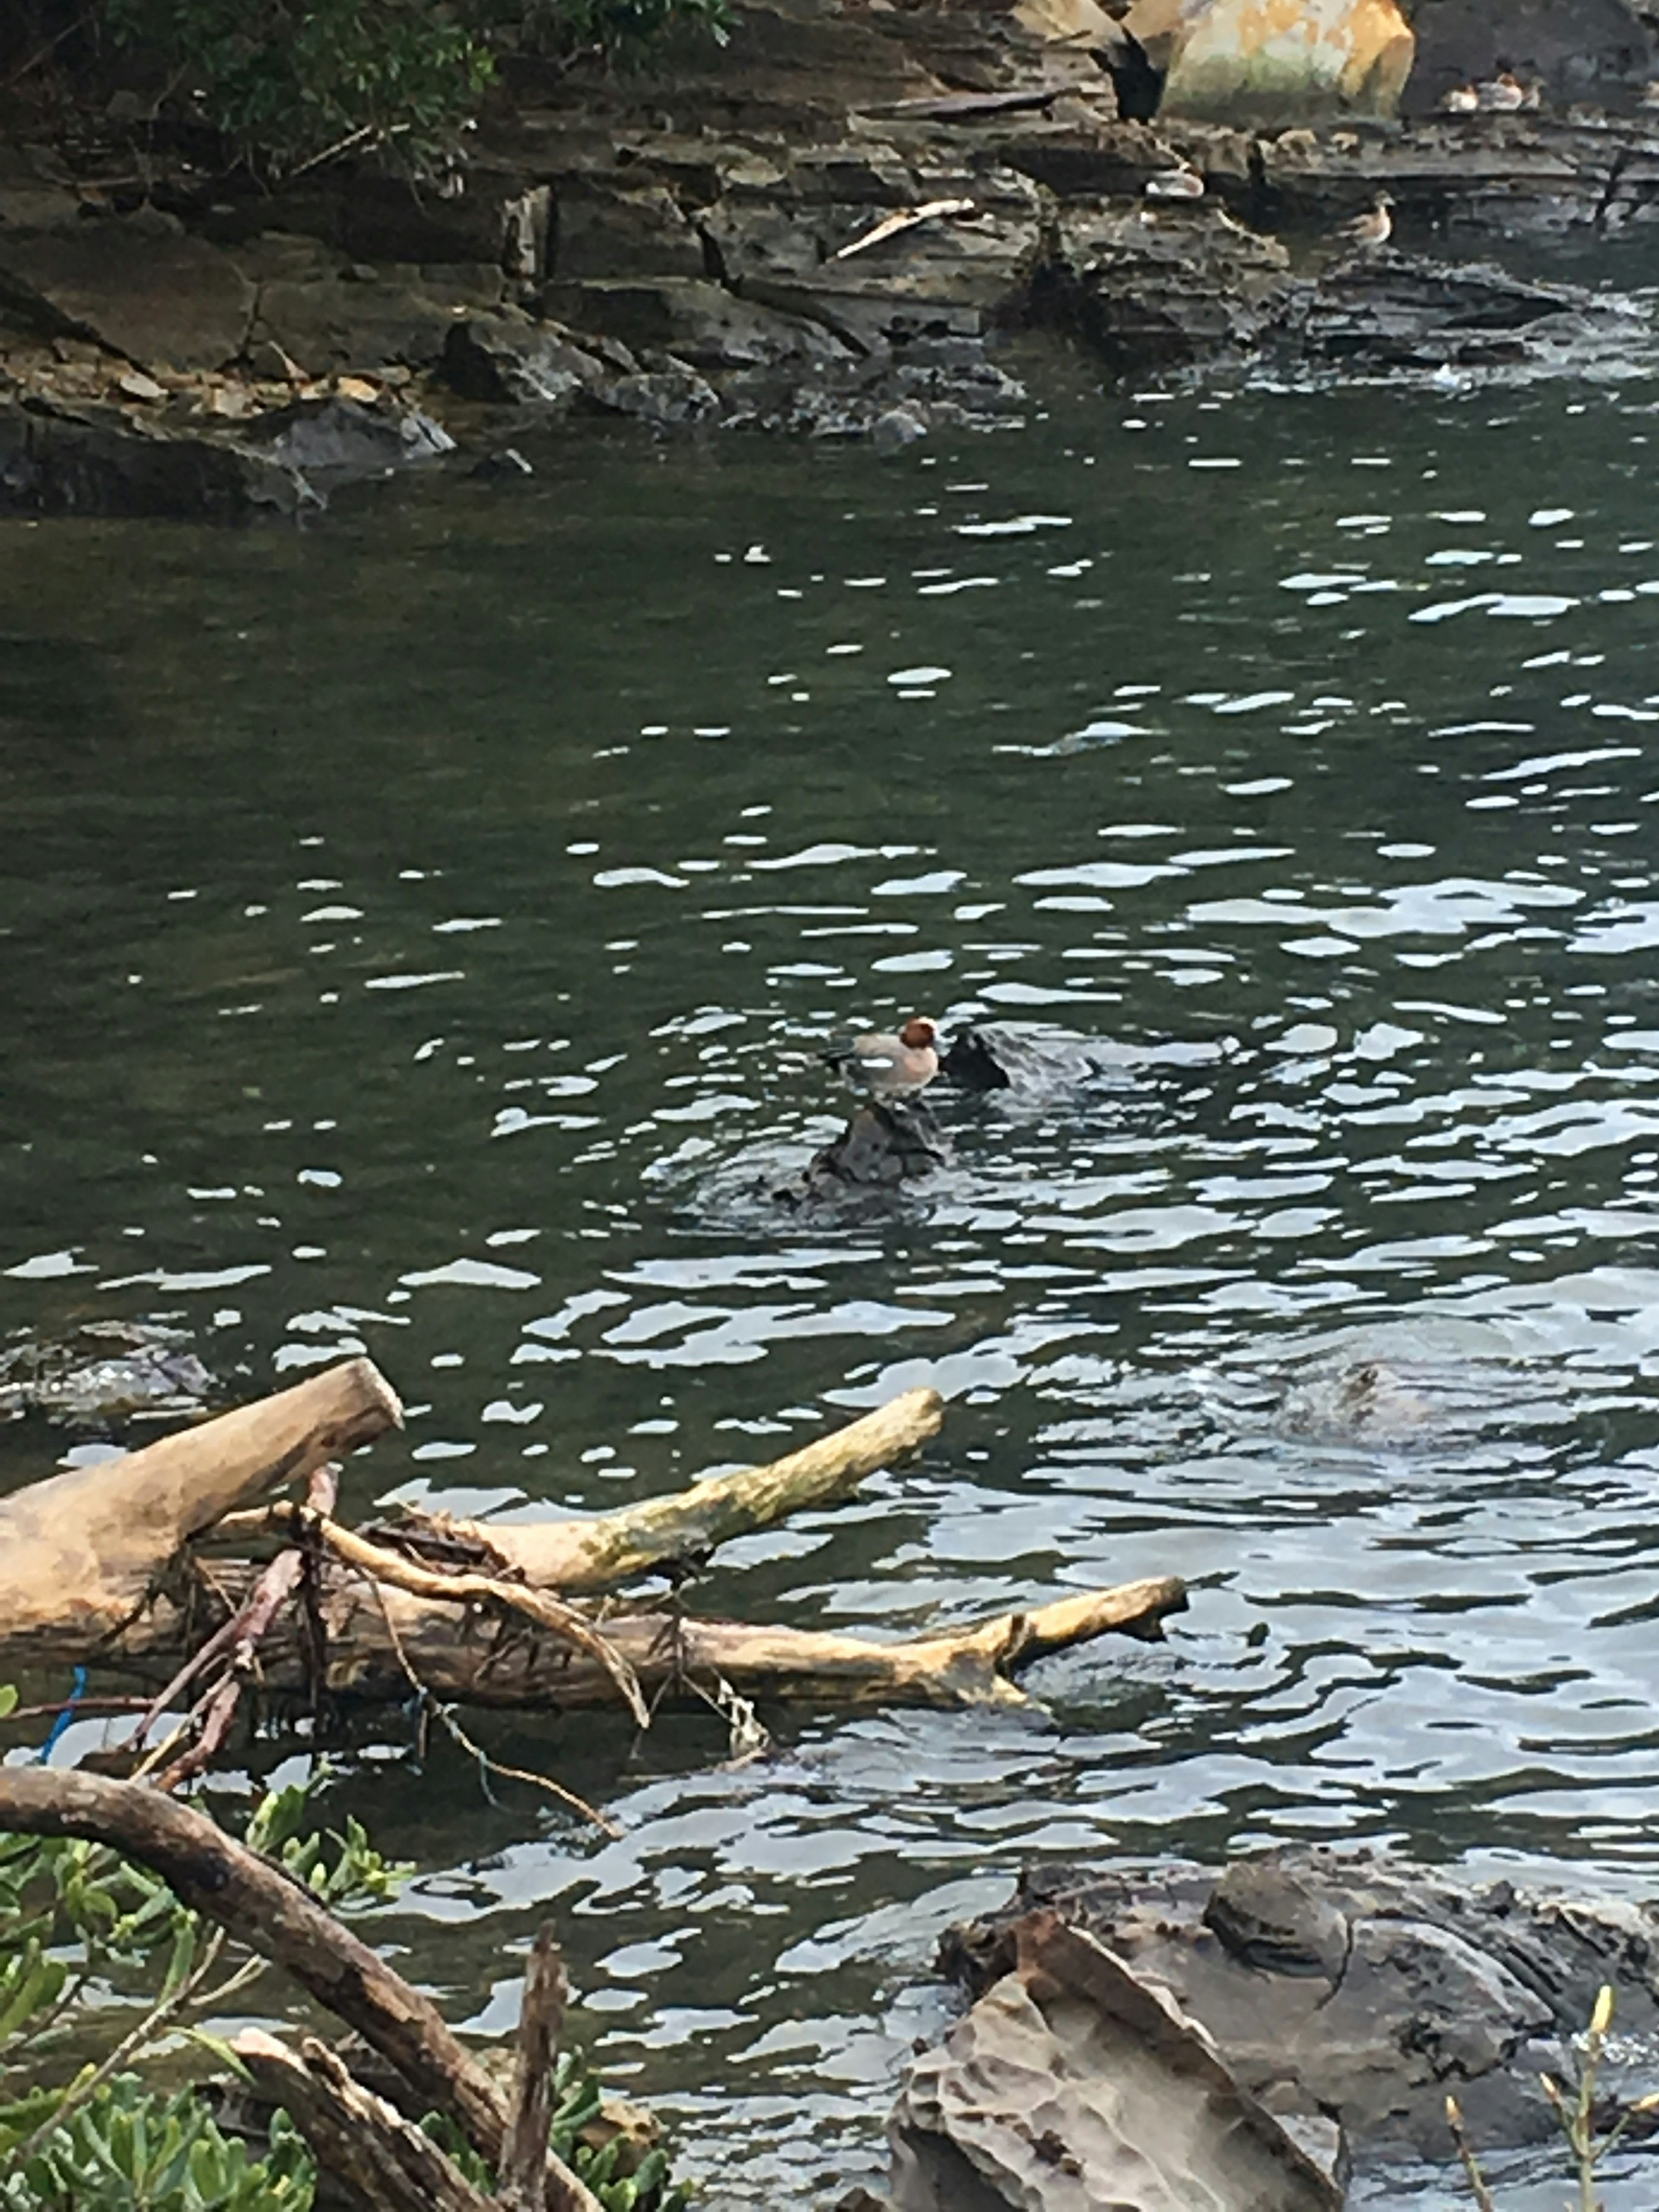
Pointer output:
x,y
1276,60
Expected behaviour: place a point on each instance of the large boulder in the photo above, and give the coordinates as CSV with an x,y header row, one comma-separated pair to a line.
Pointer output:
x,y
1073,2085
1358,1987
136,285
1275,61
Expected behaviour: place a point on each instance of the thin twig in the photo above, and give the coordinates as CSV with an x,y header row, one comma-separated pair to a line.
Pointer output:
x,y
446,1715
341,146
277,1583
46,53
902,219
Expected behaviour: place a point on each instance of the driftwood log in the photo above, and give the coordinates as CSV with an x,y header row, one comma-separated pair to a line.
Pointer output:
x,y
107,1562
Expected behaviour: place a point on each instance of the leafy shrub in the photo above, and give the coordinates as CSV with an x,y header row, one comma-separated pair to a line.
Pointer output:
x,y
286,80
288,83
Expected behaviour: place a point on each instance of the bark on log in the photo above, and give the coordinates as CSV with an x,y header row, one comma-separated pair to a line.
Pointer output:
x,y
79,1551
541,2025
580,1558
261,1906
377,2160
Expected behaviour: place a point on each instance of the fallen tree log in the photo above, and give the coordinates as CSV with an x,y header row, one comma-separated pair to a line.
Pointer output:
x,y
378,1636
481,1624
80,1550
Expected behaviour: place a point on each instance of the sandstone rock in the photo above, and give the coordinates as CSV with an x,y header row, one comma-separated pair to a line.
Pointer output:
x,y
1394,310
338,437
37,190
671,398
1151,288
700,322
604,231
1071,2082
1359,1987
162,299
1275,60
326,324
1501,176
955,278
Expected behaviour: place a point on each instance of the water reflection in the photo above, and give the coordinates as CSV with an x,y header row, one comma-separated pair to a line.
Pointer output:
x,y
416,927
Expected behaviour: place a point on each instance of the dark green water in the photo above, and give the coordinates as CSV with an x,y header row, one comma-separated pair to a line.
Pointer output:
x,y
416,933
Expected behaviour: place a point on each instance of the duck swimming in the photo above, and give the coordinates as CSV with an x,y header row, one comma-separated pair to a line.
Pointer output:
x,y
891,1067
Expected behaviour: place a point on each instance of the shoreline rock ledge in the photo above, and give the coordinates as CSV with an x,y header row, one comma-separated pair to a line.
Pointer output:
x,y
1151,2038
833,226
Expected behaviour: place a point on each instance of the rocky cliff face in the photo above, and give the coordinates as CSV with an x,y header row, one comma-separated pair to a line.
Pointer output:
x,y
831,226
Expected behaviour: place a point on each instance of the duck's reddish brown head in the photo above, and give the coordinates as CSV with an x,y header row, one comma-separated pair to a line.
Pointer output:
x,y
917,1032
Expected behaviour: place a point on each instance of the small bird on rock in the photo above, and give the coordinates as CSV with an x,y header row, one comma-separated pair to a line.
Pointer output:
x,y
1183,182
1502,94
1374,227
1650,93
1462,99
891,1067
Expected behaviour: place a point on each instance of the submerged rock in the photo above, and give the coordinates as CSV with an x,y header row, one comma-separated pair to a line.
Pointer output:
x,y
1357,1987
101,1370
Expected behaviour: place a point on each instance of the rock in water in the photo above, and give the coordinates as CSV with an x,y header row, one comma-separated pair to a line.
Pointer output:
x,y
885,1145
344,438
100,1371
1358,1987
1073,2082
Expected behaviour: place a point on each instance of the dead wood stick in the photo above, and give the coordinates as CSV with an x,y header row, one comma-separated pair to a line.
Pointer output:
x,y
581,1557
260,1905
541,2025
79,1551
276,1586
966,1666
378,2160
546,1611
901,220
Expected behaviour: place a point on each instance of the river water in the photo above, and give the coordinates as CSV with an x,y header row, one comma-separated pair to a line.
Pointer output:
x,y
418,930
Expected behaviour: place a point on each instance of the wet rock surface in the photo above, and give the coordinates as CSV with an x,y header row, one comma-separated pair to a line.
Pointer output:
x,y
1357,1989
832,228
101,1372
1072,2083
